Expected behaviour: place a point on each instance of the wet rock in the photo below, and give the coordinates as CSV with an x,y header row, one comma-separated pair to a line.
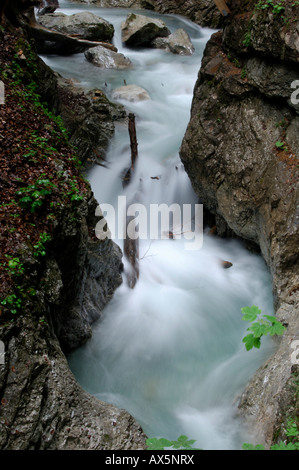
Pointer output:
x,y
244,181
89,119
178,43
107,59
85,25
140,30
130,93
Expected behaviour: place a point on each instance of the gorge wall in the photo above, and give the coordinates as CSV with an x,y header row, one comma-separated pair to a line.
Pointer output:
x,y
241,153
55,276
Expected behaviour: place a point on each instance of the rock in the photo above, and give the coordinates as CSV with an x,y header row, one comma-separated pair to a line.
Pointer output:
x,y
130,93
89,119
178,43
140,30
105,58
51,42
226,264
247,184
86,25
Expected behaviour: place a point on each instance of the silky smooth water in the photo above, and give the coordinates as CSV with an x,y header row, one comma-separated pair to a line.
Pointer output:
x,y
170,350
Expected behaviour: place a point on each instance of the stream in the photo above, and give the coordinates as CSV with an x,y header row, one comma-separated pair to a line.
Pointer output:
x,y
170,350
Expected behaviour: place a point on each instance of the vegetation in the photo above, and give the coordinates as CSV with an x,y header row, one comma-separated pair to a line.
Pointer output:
x,y
160,444
262,325
40,175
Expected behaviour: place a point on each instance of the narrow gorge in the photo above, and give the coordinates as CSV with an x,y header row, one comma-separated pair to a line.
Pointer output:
x,y
90,363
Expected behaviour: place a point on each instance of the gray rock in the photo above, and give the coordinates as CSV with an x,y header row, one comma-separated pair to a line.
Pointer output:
x,y
140,30
130,93
178,43
86,25
105,58
249,185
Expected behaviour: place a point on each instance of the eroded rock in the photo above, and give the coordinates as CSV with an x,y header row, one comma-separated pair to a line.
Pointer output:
x,y
178,43
85,24
107,59
140,30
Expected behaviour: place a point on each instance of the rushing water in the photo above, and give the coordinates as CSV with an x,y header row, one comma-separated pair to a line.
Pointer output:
x,y
170,350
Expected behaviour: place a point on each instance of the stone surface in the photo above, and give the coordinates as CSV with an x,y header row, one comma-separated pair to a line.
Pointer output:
x,y
178,43
85,24
102,57
247,183
130,93
140,30
89,119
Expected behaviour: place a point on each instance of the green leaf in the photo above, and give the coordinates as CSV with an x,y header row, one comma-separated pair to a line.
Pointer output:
x,y
157,444
182,442
253,447
250,342
276,329
250,313
259,329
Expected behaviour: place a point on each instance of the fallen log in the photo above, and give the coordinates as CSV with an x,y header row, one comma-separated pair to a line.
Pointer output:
x,y
131,244
52,42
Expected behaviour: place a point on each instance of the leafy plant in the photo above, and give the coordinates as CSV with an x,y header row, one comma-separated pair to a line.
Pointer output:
x,y
261,326
34,195
281,145
40,249
160,444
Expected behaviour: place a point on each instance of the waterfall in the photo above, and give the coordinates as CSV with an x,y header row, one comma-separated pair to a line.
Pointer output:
x,y
170,350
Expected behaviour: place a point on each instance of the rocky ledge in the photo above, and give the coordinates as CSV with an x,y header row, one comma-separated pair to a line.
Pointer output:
x,y
241,152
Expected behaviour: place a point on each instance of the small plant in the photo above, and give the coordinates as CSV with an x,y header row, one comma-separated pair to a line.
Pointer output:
x,y
12,302
34,195
261,326
247,39
160,444
40,248
14,266
281,145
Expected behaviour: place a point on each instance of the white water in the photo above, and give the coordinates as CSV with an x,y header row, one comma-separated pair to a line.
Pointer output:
x,y
169,351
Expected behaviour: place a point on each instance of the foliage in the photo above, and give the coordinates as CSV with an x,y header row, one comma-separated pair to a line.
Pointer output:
x,y
34,195
261,326
292,443
160,444
277,8
40,248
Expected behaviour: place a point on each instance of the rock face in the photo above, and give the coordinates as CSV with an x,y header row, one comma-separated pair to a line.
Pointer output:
x,y
241,152
140,31
102,57
177,43
86,25
43,407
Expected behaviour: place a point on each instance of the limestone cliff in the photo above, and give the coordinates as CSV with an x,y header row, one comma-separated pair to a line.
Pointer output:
x,y
241,152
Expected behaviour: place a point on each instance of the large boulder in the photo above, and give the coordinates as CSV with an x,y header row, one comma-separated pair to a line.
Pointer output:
x,y
131,93
140,30
86,25
178,43
108,59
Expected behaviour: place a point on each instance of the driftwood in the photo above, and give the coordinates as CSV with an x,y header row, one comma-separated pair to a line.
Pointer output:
x,y
52,42
131,246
